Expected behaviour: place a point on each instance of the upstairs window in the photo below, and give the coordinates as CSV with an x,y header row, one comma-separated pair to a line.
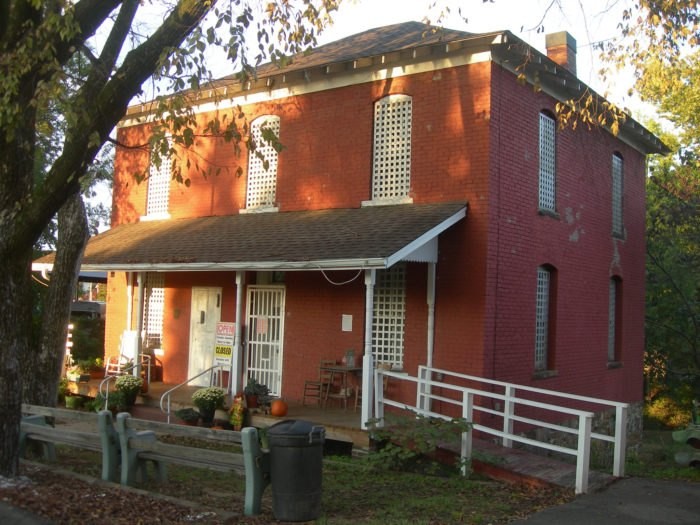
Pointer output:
x,y
618,227
544,318
262,164
389,315
158,192
547,175
391,163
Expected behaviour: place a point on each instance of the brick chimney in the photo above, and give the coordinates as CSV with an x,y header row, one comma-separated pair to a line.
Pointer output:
x,y
561,47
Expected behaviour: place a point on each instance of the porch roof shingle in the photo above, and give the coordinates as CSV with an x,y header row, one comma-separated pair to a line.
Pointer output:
x,y
352,238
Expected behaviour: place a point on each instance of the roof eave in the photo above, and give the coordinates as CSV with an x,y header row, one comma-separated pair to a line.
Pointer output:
x,y
518,57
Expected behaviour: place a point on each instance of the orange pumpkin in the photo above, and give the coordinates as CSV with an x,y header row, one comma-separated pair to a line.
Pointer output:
x,y
278,408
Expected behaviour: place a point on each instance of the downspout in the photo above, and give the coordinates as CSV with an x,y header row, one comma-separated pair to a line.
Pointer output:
x,y
236,376
139,323
368,358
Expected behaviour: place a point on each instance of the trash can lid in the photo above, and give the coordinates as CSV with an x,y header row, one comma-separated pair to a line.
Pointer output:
x,y
295,428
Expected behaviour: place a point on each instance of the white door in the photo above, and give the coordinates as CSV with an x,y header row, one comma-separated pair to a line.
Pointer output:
x,y
265,322
206,312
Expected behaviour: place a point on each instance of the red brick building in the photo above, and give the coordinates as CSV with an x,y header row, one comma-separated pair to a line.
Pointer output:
x,y
425,208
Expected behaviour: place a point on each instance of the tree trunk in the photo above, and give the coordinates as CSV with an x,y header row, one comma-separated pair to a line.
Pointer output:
x,y
44,365
15,324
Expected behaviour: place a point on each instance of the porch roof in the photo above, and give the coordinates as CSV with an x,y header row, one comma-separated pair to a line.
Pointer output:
x,y
348,238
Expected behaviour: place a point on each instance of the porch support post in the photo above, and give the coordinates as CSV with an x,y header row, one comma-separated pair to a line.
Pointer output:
x,y
368,358
139,323
236,375
430,343
129,300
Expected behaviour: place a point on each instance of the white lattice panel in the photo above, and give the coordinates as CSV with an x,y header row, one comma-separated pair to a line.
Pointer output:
x,y
262,164
547,180
154,301
541,318
391,168
617,187
158,188
389,315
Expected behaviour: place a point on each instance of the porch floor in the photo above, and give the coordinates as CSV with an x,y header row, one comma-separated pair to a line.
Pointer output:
x,y
344,425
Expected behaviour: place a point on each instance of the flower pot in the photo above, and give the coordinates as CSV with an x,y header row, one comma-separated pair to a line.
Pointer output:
x,y
251,400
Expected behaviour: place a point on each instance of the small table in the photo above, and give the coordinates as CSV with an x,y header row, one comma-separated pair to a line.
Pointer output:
x,y
341,371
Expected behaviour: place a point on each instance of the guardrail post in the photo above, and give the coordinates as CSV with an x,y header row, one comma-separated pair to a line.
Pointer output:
x,y
584,452
467,414
620,441
379,396
508,412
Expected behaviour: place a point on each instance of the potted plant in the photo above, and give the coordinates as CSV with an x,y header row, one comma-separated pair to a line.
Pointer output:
x,y
129,386
207,400
255,393
188,415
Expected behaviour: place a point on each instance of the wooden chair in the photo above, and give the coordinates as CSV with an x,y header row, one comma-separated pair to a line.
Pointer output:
x,y
317,388
358,391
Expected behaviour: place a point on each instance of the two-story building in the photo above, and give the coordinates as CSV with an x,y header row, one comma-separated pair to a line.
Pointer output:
x,y
425,208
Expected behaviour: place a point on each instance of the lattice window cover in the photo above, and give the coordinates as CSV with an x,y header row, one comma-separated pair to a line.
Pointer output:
x,y
158,187
154,301
542,318
389,316
391,168
547,178
617,188
262,183
612,321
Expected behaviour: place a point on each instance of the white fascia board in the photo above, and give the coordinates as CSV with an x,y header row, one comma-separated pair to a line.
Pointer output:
x,y
339,264
431,234
327,83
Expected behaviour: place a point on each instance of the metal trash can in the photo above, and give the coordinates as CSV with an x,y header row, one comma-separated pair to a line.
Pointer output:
x,y
296,462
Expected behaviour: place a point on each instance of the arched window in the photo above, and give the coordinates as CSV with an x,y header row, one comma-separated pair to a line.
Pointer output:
x,y
615,320
548,165
158,192
618,227
545,308
262,163
391,163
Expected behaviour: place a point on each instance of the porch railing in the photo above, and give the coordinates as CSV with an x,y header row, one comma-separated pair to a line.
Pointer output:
x,y
216,378
103,388
509,402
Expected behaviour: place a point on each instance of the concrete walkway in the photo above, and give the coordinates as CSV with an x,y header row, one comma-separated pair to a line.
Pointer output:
x,y
637,501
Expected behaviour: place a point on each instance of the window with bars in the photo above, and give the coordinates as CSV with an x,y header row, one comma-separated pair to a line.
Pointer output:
x,y
547,175
389,315
262,163
543,318
614,319
391,163
154,301
158,192
617,192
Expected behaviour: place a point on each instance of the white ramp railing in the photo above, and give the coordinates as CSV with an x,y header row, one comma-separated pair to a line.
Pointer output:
x,y
511,403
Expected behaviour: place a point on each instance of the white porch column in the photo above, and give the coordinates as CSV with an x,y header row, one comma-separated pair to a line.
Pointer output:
x,y
236,376
368,358
430,343
139,322
129,300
